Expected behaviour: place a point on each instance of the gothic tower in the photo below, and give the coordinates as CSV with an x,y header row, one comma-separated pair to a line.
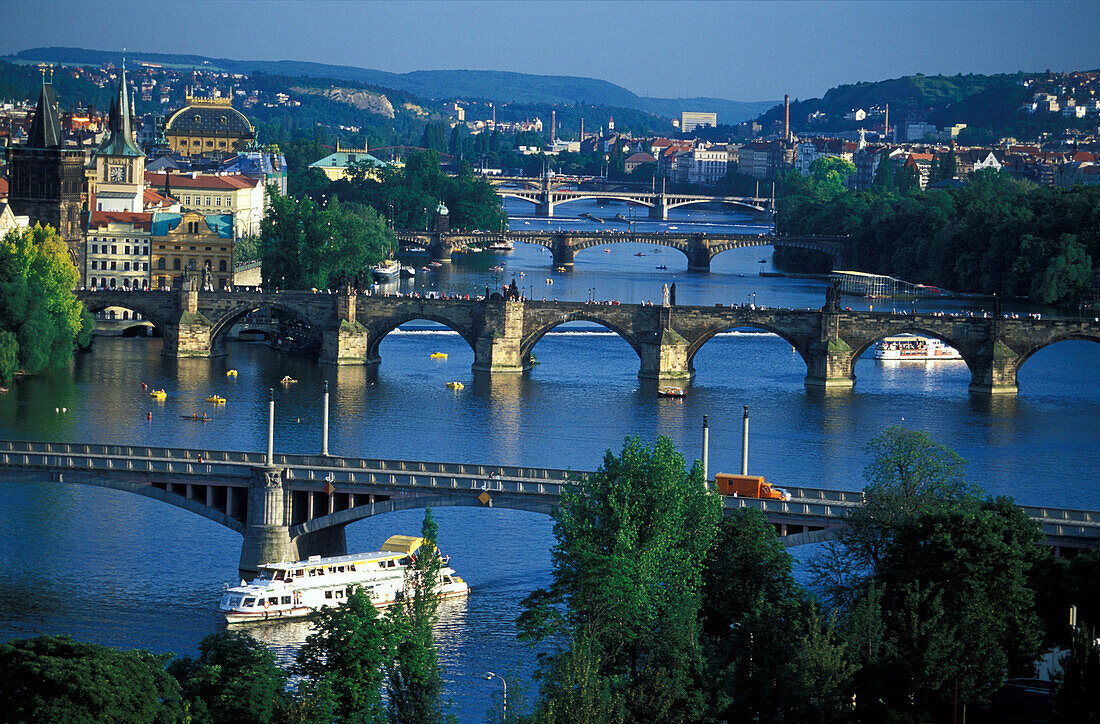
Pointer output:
x,y
119,163
47,178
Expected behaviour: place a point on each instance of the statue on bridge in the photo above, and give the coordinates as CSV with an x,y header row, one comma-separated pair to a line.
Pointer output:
x,y
207,278
665,299
832,298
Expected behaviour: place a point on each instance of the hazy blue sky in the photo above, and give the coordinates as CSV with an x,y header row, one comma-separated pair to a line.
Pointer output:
x,y
742,51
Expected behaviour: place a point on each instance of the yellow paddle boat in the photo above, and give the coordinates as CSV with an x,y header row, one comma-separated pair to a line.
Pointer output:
x,y
231,373
454,385
288,380
158,394
216,399
438,355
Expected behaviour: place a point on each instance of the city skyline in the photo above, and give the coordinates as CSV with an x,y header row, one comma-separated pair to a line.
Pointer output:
x,y
747,51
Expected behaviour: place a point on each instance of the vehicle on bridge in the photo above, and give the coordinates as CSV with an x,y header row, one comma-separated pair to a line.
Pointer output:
x,y
293,590
749,486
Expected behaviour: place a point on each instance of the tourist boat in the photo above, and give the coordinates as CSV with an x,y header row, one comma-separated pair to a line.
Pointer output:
x,y
231,373
408,272
438,355
293,590
158,394
456,385
216,399
386,270
502,246
912,347
670,391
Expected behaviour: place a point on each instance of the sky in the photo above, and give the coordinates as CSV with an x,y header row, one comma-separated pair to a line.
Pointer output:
x,y
736,50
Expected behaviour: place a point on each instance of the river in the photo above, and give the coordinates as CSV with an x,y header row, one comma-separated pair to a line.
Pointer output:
x,y
127,571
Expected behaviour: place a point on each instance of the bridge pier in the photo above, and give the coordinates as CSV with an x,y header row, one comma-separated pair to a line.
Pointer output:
x,y
562,249
349,343
659,210
665,354
190,334
544,209
830,359
993,370
499,344
699,253
439,249
267,528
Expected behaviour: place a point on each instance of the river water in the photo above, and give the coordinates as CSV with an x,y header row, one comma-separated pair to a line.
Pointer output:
x,y
126,571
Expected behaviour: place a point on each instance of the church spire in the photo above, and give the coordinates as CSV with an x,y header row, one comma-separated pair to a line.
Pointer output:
x,y
120,142
46,125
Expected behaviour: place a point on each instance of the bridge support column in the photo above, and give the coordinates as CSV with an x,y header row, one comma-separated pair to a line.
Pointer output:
x,y
829,366
993,371
659,210
189,335
267,532
665,355
349,343
544,209
563,251
439,249
499,343
699,254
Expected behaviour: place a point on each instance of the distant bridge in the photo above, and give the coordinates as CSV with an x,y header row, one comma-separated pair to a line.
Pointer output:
x,y
699,249
294,506
545,198
502,333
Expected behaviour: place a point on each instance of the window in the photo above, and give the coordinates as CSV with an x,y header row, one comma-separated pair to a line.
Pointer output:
x,y
249,602
176,263
93,280
145,266
126,250
221,265
114,249
328,594
126,266
113,265
145,251
95,249
273,601
286,600
160,263
93,267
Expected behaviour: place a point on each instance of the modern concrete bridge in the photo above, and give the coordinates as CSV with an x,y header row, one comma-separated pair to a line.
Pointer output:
x,y
699,249
502,333
294,506
545,198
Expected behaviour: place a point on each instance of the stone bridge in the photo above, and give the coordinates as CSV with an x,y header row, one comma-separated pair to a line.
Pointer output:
x,y
699,249
294,506
502,333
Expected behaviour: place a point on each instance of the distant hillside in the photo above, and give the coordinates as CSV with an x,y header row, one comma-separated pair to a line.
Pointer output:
x,y
497,86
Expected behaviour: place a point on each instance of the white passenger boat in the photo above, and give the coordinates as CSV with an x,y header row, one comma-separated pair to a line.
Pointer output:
x,y
505,245
912,347
386,270
290,590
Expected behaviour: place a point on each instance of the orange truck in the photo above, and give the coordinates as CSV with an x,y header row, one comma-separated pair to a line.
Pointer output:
x,y
749,486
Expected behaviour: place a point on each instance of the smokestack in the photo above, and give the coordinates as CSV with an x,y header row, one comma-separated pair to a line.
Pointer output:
x,y
582,129
494,115
553,126
786,117
886,123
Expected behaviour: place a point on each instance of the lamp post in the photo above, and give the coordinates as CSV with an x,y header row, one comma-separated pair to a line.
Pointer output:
x,y
504,709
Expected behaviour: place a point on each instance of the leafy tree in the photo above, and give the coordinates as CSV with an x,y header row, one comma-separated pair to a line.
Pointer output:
x,y
1075,695
247,249
41,321
831,175
1069,276
949,166
235,679
344,660
415,685
626,591
57,679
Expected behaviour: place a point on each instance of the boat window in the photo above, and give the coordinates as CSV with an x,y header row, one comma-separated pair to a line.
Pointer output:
x,y
340,594
328,594
320,571
446,579
313,571
273,601
300,572
286,599
381,564
249,602
279,575
266,574
393,563
351,567
340,569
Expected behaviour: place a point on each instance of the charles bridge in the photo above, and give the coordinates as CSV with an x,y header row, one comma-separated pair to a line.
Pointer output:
x,y
503,332
288,507
699,249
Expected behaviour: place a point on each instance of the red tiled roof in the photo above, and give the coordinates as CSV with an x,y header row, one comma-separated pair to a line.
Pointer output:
x,y
154,198
100,219
3,188
202,182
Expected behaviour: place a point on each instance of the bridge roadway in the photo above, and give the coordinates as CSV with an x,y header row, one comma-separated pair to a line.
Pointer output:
x,y
503,333
299,505
699,249
659,203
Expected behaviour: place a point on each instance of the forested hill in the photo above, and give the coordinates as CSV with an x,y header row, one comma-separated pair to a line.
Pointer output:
x,y
497,86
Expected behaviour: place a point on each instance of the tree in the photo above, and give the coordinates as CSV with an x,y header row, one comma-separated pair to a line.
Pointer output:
x,y
830,175
627,575
344,660
415,684
41,321
235,679
1076,687
55,679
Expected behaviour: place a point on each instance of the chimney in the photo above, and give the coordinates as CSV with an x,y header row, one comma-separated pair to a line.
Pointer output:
x,y
786,117
553,126
886,123
494,115
582,129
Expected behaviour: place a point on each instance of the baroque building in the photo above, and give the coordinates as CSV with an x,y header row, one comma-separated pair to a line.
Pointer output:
x,y
210,126
189,244
46,178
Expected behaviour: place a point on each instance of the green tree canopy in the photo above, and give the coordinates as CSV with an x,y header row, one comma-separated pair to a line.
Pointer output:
x,y
57,679
41,321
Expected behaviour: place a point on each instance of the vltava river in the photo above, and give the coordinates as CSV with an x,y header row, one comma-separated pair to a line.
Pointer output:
x,y
131,572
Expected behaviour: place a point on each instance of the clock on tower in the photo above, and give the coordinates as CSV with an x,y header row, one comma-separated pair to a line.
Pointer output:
x,y
116,174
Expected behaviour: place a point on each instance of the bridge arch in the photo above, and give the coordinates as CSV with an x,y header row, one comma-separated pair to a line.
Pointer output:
x,y
532,338
519,195
697,344
1073,336
95,303
864,344
381,328
219,332
728,202
604,195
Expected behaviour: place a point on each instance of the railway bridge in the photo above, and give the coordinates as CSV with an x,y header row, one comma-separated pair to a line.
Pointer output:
x,y
699,249
502,333
288,507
